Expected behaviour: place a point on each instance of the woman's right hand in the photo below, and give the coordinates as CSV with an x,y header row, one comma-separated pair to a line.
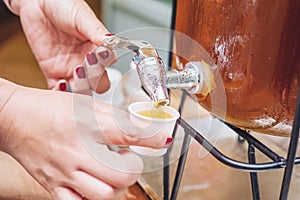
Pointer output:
x,y
44,131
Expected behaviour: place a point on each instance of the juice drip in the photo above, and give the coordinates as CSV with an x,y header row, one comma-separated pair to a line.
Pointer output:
x,y
161,103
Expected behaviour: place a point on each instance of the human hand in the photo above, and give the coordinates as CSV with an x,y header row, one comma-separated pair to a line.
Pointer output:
x,y
41,128
92,76
60,33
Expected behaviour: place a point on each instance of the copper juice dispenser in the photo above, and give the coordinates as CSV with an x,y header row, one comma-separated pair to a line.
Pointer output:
x,y
255,45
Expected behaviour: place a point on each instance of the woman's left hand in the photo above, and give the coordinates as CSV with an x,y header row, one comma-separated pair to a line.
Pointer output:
x,y
60,34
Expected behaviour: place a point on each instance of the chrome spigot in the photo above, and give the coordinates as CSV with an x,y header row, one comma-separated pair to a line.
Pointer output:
x,y
196,77
150,66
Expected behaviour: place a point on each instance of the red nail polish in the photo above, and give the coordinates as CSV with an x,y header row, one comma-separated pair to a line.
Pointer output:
x,y
80,72
109,34
63,86
123,151
91,58
168,141
103,54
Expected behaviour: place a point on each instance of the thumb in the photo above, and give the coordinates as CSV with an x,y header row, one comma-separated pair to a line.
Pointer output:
x,y
124,132
89,25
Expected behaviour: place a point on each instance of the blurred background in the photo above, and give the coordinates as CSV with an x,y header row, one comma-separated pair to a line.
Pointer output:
x,y
16,60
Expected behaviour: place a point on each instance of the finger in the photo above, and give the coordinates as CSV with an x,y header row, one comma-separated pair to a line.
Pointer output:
x,y
97,75
106,58
116,128
91,187
95,66
92,28
52,83
105,55
81,84
61,85
110,125
66,194
121,195
131,135
125,167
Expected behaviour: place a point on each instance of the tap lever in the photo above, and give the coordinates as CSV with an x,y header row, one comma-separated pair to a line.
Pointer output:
x,y
115,42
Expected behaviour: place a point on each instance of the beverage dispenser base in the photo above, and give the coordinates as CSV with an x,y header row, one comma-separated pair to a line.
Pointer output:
x,y
276,161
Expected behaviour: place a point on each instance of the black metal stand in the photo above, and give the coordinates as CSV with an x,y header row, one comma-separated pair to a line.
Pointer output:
x,y
291,153
251,166
253,144
253,175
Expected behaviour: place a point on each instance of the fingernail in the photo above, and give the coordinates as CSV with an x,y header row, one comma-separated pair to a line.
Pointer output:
x,y
109,34
91,58
123,151
103,54
63,86
168,141
80,72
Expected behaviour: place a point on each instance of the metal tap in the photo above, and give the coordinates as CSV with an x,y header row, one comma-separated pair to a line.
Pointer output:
x,y
195,77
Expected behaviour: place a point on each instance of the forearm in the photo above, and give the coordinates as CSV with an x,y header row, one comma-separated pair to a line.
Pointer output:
x,y
7,90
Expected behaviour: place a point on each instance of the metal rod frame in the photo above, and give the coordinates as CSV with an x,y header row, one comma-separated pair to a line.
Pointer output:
x,y
253,175
253,167
253,144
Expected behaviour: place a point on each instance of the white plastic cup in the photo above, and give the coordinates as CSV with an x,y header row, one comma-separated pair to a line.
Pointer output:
x,y
114,95
151,126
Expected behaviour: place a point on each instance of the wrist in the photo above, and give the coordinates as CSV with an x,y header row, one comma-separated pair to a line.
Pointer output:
x,y
7,90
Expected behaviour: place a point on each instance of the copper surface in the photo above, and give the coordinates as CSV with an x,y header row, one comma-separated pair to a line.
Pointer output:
x,y
256,47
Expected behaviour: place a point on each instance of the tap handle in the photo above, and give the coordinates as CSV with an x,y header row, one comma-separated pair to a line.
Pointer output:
x,y
115,42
